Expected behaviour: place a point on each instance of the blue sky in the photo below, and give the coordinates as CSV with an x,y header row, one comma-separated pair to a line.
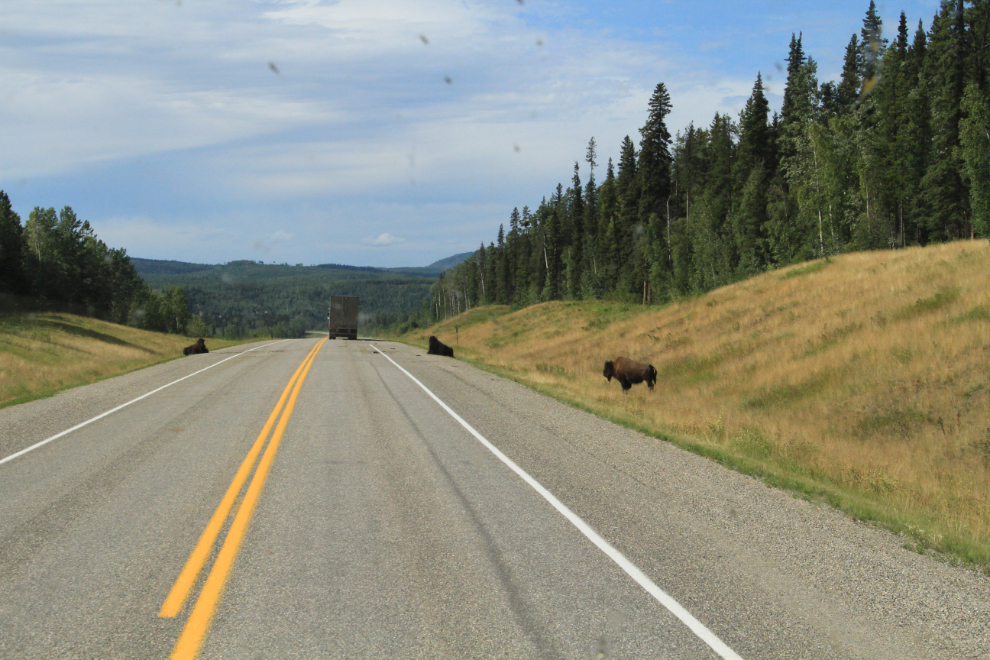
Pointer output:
x,y
307,131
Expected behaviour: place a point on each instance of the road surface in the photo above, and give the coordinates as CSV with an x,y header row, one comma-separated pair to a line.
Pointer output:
x,y
370,522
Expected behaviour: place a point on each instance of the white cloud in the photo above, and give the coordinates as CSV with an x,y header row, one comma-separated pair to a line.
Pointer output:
x,y
384,239
358,135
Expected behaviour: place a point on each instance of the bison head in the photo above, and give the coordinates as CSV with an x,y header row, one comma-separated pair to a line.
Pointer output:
x,y
651,377
609,370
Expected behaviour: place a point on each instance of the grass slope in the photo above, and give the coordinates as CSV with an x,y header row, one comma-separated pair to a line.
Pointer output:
x,y
863,380
41,354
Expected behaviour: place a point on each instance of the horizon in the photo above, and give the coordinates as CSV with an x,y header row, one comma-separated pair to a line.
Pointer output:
x,y
261,262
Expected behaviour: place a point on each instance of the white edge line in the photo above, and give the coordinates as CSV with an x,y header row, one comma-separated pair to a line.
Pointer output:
x,y
124,405
672,605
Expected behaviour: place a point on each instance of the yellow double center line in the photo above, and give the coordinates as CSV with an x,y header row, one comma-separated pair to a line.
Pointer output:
x,y
194,632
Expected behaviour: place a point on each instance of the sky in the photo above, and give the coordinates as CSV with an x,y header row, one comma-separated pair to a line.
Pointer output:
x,y
362,132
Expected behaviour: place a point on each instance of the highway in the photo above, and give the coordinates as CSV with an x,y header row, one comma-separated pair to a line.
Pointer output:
x,y
358,499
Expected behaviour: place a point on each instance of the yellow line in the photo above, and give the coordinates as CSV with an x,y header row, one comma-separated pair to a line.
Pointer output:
x,y
190,572
198,624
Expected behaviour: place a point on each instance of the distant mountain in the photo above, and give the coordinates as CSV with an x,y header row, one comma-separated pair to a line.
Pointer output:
x,y
450,262
160,267
171,267
436,267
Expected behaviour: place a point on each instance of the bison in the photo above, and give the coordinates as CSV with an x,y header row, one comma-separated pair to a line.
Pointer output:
x,y
198,347
437,347
628,372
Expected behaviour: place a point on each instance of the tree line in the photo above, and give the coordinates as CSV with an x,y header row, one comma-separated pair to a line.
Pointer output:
x,y
894,154
247,298
55,261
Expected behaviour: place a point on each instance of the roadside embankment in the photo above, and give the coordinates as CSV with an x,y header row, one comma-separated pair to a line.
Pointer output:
x,y
863,380
41,354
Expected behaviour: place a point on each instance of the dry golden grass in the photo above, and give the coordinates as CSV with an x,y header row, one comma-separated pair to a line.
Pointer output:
x,y
864,379
41,354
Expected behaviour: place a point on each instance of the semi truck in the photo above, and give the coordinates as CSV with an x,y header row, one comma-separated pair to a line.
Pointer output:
x,y
343,317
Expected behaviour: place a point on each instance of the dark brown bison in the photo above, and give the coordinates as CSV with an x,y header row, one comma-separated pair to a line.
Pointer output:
x,y
437,347
629,372
198,347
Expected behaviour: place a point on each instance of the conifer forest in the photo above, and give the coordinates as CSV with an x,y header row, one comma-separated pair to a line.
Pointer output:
x,y
56,262
896,153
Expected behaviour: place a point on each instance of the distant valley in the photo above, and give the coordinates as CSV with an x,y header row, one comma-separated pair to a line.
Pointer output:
x,y
246,297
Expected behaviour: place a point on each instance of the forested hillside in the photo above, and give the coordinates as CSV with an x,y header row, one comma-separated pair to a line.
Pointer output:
x,y
896,153
55,261
243,298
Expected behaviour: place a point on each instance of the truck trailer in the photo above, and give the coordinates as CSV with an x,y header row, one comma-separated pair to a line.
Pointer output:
x,y
343,317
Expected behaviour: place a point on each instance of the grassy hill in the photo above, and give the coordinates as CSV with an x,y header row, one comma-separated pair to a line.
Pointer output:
x,y
41,354
863,380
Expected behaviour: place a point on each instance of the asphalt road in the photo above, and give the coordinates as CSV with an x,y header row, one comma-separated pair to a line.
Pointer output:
x,y
379,526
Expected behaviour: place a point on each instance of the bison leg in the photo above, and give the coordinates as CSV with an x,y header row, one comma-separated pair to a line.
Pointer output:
x,y
626,385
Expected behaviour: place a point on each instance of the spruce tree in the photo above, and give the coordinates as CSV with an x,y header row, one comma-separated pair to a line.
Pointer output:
x,y
714,220
627,191
847,93
872,46
502,293
654,155
891,99
975,148
608,205
794,92
576,249
591,277
914,140
753,160
945,70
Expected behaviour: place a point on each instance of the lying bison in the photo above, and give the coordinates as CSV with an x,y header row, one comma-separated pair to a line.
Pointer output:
x,y
629,372
437,347
198,347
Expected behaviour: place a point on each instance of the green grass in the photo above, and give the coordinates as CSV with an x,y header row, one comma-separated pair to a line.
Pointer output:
x,y
785,395
978,313
945,296
812,267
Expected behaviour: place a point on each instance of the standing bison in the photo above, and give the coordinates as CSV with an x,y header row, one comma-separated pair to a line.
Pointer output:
x,y
198,347
629,372
437,347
